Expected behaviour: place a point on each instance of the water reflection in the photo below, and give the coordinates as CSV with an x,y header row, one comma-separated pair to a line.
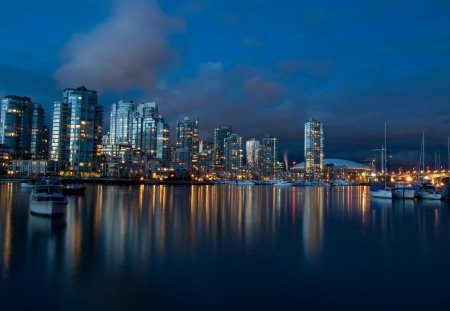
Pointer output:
x,y
148,232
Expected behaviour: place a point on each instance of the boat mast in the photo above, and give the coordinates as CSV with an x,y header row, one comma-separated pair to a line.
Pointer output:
x,y
385,155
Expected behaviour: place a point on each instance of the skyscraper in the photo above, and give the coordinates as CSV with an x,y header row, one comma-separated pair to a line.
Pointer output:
x,y
77,131
220,133
252,150
187,137
268,155
313,150
233,153
22,126
121,125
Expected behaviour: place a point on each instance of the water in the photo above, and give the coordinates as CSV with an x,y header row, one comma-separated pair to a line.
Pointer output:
x,y
225,247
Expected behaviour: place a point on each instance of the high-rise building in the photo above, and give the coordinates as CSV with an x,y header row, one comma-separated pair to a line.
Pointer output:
x,y
77,131
187,137
268,155
313,150
252,150
39,133
121,125
233,153
22,127
220,133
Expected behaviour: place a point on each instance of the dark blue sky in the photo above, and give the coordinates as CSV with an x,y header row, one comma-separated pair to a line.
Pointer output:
x,y
262,66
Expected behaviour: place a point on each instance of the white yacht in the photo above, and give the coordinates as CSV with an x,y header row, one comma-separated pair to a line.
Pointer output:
x,y
47,200
283,183
244,182
428,192
403,191
380,192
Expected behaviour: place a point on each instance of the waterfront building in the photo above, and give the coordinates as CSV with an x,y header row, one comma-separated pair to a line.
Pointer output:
x,y
121,122
233,153
252,152
22,127
77,131
187,139
339,169
205,158
39,133
268,155
220,133
314,150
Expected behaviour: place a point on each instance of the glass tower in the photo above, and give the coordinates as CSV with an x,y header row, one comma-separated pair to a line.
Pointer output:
x,y
22,126
77,131
121,124
313,150
187,137
252,149
220,133
233,153
268,155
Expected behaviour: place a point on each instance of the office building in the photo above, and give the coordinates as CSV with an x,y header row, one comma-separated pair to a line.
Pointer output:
x,y
187,139
314,150
233,153
77,131
268,155
220,133
252,152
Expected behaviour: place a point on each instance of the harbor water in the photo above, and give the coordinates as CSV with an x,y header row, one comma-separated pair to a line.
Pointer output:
x,y
225,247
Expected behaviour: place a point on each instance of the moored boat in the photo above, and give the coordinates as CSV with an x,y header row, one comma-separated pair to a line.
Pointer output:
x,y
380,192
47,200
283,183
428,192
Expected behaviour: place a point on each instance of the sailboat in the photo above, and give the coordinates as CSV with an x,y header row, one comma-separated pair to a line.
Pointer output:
x,y
377,190
426,191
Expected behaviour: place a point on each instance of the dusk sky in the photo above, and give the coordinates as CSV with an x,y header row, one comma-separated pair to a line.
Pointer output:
x,y
260,66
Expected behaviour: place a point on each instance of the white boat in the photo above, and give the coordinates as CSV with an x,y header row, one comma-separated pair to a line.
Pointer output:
x,y
283,183
381,194
244,182
429,193
47,200
340,182
381,191
403,191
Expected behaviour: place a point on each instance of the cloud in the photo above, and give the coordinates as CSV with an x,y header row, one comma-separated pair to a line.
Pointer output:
x,y
129,50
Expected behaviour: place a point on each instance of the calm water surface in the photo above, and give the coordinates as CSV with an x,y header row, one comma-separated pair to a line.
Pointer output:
x,y
225,247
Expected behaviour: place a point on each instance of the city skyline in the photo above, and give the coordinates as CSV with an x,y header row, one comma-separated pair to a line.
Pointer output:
x,y
350,65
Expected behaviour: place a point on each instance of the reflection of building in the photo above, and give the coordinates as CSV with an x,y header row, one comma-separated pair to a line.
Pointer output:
x,y
313,222
313,150
187,139
220,133
268,154
77,131
233,153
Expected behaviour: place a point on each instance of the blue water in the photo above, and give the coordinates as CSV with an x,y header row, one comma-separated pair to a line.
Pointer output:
x,y
225,247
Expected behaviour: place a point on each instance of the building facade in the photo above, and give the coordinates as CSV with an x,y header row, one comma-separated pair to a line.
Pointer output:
x,y
268,156
314,147
22,127
77,131
187,139
252,152
233,154
220,133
